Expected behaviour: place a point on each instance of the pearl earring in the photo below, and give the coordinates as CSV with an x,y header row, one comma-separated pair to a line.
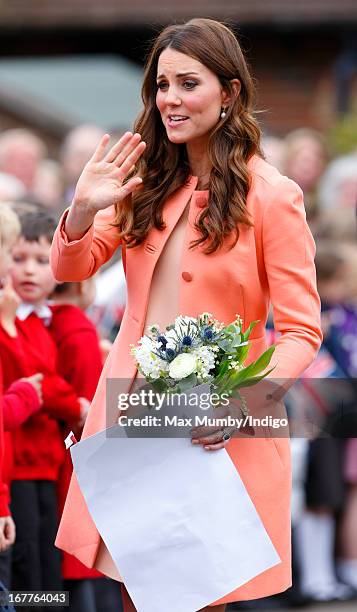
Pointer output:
x,y
223,113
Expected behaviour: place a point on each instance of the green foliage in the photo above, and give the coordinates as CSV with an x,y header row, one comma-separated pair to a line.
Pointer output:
x,y
342,136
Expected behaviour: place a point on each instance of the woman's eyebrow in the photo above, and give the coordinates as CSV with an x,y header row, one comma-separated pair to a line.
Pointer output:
x,y
180,74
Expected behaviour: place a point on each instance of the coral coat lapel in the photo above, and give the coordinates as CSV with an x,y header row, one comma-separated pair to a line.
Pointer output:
x,y
141,261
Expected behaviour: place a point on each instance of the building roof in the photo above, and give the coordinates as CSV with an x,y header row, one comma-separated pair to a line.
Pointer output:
x,y
65,91
27,13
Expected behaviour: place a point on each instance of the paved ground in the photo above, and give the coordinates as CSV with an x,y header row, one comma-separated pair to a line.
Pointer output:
x,y
350,606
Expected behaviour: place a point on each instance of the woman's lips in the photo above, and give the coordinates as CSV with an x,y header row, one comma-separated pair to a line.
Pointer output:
x,y
176,122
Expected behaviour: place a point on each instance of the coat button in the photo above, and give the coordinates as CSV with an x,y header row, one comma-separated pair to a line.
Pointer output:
x,y
187,276
201,202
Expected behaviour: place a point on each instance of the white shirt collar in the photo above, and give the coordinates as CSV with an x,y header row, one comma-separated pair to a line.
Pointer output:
x,y
43,312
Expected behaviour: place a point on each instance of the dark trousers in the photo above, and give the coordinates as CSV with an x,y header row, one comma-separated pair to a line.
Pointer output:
x,y
94,595
5,567
36,563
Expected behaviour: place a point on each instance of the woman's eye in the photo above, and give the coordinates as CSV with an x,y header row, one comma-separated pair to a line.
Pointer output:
x,y
186,84
189,84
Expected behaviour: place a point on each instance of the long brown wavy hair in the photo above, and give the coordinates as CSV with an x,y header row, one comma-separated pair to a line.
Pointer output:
x,y
164,165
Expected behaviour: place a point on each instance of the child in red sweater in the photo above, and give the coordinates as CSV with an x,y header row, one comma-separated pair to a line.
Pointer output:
x,y
22,399
27,347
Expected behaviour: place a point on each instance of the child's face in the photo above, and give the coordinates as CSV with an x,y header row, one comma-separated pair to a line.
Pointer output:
x,y
30,271
342,288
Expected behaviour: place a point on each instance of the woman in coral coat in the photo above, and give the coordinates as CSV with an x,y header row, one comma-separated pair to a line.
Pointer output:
x,y
205,225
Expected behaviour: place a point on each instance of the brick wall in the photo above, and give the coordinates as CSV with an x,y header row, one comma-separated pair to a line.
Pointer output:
x,y
110,12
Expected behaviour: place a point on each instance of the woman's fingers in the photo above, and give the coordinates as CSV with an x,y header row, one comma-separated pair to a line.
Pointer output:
x,y
214,447
208,438
203,431
129,147
132,159
100,150
211,441
129,187
120,146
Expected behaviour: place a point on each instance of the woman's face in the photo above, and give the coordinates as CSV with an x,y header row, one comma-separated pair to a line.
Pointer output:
x,y
189,97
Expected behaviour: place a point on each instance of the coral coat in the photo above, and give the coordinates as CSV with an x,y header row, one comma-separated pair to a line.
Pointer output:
x,y
271,262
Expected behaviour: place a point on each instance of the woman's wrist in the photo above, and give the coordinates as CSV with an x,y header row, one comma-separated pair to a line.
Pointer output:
x,y
78,221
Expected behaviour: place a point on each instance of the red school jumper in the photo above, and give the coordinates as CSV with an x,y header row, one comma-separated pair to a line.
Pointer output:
x,y
4,497
16,405
80,364
37,446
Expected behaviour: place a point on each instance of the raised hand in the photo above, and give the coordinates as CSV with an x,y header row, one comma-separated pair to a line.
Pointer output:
x,y
101,182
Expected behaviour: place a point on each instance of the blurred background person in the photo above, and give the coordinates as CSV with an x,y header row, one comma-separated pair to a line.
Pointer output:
x,y
10,188
77,147
274,148
21,153
338,185
305,160
48,185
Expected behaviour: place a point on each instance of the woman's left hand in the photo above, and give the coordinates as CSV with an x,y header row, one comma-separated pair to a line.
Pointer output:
x,y
212,438
215,437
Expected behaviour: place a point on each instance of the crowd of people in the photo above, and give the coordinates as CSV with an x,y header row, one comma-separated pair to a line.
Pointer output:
x,y
55,337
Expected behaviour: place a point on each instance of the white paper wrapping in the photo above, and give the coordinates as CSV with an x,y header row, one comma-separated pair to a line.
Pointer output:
x,y
176,519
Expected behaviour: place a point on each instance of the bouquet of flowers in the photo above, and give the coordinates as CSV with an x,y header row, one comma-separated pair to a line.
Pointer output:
x,y
193,351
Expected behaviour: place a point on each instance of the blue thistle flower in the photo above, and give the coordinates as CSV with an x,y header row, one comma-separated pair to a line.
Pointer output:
x,y
187,341
170,354
163,341
208,333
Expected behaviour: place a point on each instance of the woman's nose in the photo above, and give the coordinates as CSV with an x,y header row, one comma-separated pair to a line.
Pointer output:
x,y
172,97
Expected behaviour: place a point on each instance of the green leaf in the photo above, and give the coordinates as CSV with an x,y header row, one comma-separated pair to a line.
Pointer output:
x,y
249,329
160,385
186,383
235,378
249,382
242,353
223,367
260,364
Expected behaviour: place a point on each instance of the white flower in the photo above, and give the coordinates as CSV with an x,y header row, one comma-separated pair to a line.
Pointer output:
x,y
171,338
205,360
147,361
182,366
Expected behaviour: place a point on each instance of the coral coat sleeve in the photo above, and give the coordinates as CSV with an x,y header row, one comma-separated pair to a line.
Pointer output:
x,y
19,402
289,251
80,259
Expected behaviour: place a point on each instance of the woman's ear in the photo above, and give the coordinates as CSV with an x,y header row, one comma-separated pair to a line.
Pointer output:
x,y
227,97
